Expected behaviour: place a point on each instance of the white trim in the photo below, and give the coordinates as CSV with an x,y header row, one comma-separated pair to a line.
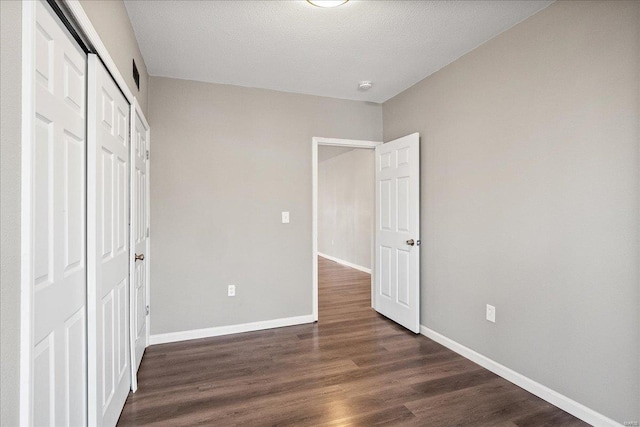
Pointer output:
x,y
89,30
346,263
315,142
26,216
227,330
561,401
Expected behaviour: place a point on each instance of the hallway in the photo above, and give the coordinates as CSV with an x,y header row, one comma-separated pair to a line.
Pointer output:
x,y
353,367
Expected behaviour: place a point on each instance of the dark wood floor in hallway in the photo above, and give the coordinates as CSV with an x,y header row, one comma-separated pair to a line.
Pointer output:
x,y
352,368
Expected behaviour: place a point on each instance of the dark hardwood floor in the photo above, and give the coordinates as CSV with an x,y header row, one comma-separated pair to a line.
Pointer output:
x,y
353,367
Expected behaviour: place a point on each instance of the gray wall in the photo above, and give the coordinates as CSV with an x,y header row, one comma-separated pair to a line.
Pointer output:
x,y
10,148
346,205
530,199
111,21
226,161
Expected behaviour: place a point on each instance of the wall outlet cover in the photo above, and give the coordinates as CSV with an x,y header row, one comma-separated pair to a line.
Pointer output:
x,y
231,291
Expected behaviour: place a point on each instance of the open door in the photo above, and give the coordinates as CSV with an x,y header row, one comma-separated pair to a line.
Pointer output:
x,y
397,235
139,239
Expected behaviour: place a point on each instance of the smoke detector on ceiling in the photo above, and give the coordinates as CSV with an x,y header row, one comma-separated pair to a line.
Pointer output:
x,y
365,85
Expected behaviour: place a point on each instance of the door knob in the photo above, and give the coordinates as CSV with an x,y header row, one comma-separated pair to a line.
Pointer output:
x,y
411,242
139,257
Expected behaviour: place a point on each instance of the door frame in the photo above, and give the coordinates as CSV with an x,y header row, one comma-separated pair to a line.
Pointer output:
x,y
335,142
75,10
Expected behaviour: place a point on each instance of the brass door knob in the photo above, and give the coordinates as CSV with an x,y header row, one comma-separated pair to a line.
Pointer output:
x,y
139,257
411,242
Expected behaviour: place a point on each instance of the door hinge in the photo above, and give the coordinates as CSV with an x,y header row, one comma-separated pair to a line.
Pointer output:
x,y
147,310
147,154
147,231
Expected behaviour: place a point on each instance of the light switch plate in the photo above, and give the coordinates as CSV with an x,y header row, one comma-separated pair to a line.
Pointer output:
x,y
491,313
285,217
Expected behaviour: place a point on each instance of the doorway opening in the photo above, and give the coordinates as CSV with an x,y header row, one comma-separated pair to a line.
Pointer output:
x,y
337,147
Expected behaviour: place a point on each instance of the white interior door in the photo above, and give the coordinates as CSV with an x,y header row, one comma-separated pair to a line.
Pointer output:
x,y
140,235
397,247
108,247
59,214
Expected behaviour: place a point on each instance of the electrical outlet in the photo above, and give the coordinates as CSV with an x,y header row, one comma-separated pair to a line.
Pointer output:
x,y
231,291
285,217
491,313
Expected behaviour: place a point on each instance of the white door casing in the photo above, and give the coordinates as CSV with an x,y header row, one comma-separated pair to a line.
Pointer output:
x,y
315,143
109,373
57,224
397,231
139,238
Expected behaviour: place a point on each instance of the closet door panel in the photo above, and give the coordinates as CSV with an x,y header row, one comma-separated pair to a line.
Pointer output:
x,y
109,252
58,195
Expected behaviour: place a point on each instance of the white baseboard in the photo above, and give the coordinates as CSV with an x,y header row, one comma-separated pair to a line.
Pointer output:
x,y
347,263
226,330
561,401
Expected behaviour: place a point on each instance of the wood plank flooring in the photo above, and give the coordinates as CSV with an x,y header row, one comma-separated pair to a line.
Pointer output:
x,y
353,368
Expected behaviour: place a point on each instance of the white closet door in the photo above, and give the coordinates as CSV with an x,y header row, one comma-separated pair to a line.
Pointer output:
x,y
108,247
140,238
59,214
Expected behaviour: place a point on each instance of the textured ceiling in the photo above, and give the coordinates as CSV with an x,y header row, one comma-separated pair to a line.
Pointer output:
x,y
295,47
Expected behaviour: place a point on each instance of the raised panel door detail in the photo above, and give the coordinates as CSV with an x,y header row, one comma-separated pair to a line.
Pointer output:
x,y
397,235
385,271
385,161
44,57
139,223
58,203
107,202
43,201
385,205
121,225
73,85
402,258
403,156
44,389
402,192
121,348
109,328
108,111
108,322
74,203
76,380
140,299
123,126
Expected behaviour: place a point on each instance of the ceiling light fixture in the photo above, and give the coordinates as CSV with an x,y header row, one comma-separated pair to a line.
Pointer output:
x,y
365,85
327,3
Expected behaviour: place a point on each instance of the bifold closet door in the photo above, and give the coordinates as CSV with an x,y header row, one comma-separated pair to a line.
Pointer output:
x,y
109,373
58,212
